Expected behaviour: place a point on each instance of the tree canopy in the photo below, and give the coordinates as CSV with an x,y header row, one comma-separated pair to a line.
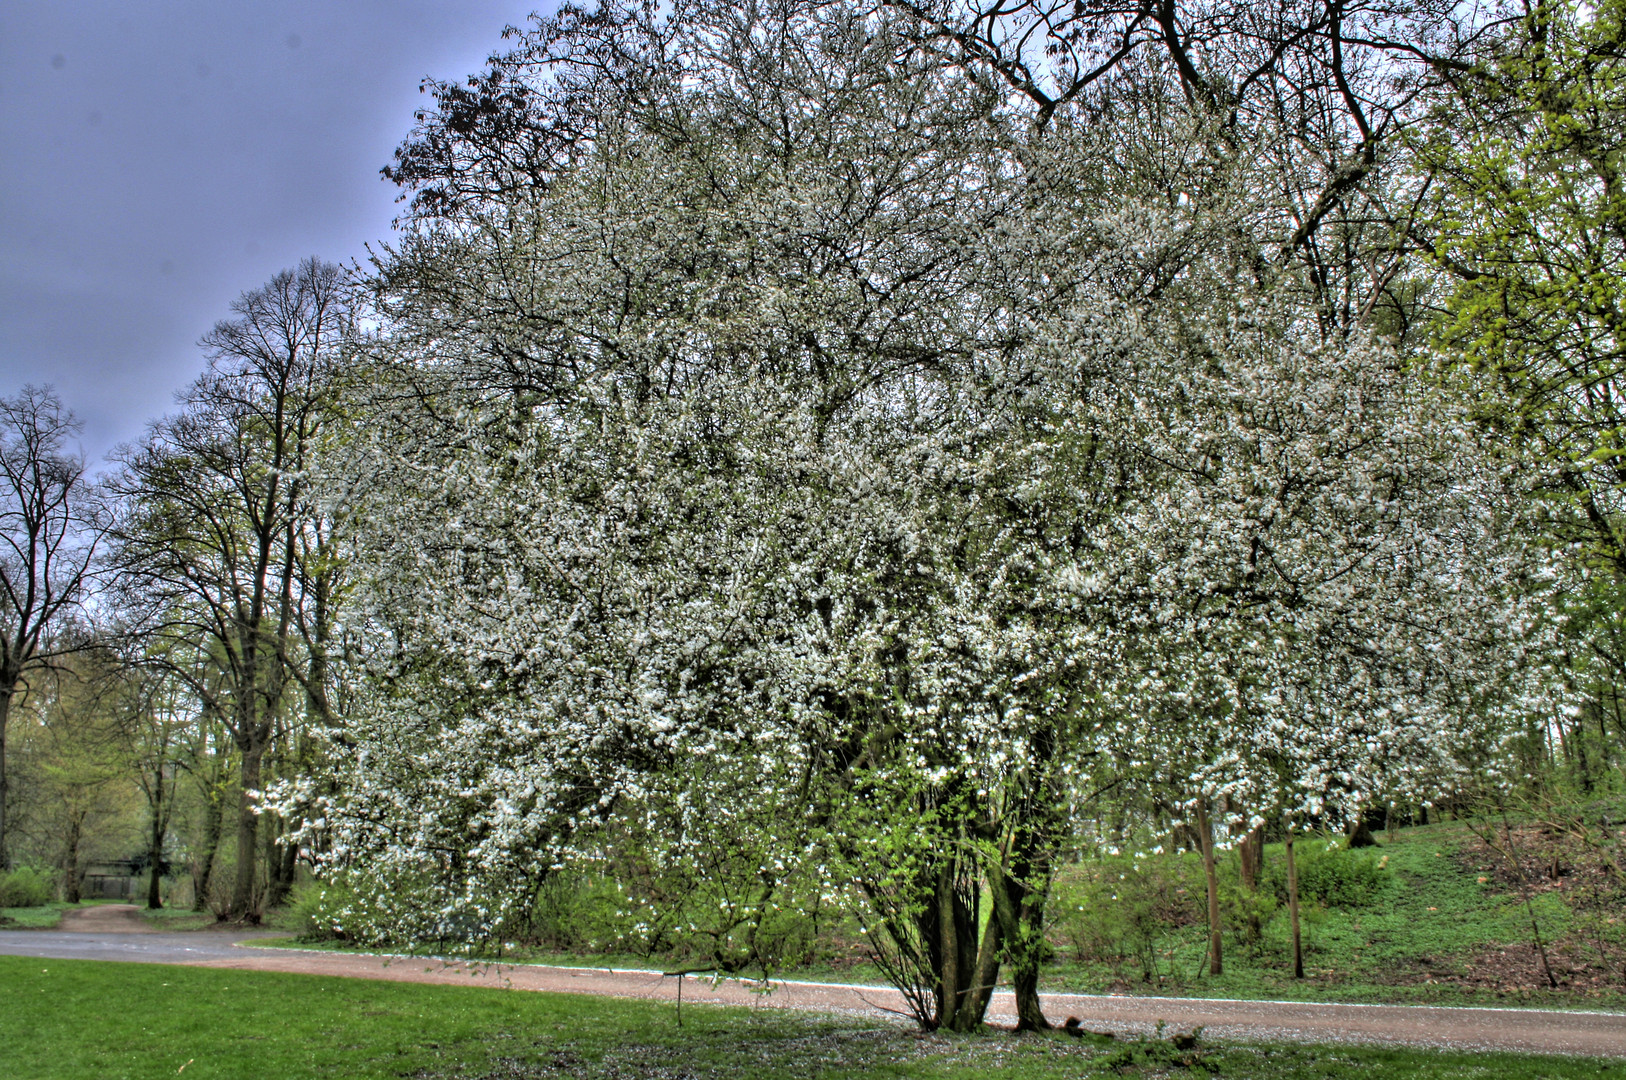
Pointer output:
x,y
789,405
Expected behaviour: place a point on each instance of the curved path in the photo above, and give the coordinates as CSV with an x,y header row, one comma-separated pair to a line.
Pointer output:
x,y
1527,1030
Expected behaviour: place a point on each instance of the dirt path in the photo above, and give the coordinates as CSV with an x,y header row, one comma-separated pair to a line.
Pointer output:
x,y
1526,1030
105,919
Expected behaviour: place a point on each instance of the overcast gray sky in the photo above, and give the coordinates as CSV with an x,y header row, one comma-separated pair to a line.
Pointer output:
x,y
157,159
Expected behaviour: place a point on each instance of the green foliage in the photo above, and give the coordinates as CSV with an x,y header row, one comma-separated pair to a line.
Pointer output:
x,y
644,912
587,913
1524,216
1244,910
317,910
1528,212
1115,910
1431,916
26,887
1333,877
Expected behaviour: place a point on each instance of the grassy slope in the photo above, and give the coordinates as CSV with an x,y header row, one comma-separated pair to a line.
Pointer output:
x,y
55,1022
1434,935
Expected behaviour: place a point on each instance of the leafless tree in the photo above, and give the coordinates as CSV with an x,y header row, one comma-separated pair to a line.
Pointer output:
x,y
217,504
50,523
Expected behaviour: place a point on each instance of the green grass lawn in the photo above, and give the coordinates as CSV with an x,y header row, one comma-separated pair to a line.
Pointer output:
x,y
32,918
73,1019
178,918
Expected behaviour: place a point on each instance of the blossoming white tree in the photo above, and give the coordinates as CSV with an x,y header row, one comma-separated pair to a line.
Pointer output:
x,y
757,389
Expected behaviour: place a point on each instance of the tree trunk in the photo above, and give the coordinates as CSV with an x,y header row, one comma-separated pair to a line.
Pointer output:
x,y
1029,1015
1205,837
204,870
975,1006
243,906
958,966
963,971
1360,833
1293,909
6,694
1250,856
284,864
71,880
1583,767
1024,945
155,845
1248,853
948,949
5,714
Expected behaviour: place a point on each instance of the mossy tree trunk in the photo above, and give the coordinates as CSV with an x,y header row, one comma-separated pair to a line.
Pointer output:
x,y
1205,838
1293,908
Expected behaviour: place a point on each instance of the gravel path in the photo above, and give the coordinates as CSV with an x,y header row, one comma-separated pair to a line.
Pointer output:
x,y
1588,1033
105,919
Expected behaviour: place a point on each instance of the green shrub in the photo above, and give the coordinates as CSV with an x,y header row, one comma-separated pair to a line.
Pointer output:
x,y
26,887
1114,910
1245,911
1334,878
319,910
674,916
584,913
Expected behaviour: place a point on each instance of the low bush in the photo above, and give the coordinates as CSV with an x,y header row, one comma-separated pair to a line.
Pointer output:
x,y
27,887
681,919
318,909
1113,910
1333,877
1246,911
583,913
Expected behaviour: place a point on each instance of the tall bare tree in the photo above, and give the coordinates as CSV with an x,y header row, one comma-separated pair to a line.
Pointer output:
x,y
217,500
49,527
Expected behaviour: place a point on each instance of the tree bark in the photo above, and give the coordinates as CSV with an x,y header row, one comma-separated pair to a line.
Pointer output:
x,y
204,872
948,974
963,970
1008,895
1029,1015
283,864
1250,855
71,881
6,694
981,991
243,907
1205,837
1583,766
1248,852
155,845
960,965
1293,909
